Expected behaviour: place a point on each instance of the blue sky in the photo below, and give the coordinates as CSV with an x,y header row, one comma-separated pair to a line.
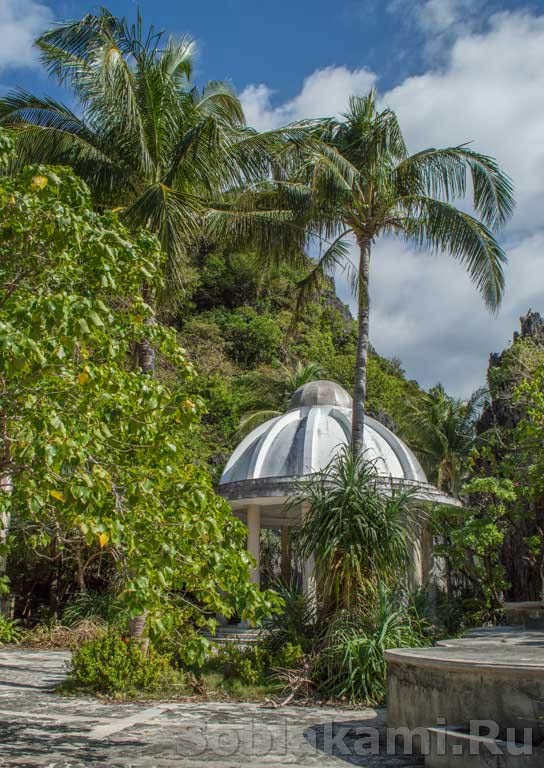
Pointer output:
x,y
454,70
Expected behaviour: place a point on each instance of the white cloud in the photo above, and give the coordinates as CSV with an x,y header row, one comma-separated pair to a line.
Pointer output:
x,y
490,89
20,23
325,93
441,21
438,16
492,92
425,311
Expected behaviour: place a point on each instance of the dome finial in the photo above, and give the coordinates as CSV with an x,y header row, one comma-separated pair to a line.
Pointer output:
x,y
320,393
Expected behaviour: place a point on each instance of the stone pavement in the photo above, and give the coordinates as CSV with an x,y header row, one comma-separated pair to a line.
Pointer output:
x,y
40,728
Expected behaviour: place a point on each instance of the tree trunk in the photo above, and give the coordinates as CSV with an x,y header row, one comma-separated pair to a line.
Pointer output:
x,y
144,351
146,361
5,487
136,630
146,354
80,571
359,387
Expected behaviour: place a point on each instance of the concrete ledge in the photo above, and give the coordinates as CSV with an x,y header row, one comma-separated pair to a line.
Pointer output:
x,y
476,679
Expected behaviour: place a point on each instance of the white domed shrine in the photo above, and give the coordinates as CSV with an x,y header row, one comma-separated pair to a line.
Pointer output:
x,y
266,467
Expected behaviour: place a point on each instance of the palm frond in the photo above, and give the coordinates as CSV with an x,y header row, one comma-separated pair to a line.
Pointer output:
x,y
443,174
175,216
252,420
443,227
335,256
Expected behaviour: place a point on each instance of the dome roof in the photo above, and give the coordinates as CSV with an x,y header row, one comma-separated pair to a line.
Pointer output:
x,y
305,439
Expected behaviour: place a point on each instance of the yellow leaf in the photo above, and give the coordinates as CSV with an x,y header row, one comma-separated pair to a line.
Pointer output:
x,y
56,495
39,182
83,378
103,540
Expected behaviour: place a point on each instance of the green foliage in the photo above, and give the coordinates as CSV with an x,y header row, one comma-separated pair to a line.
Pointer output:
x,y
248,665
253,338
7,147
296,624
102,453
11,632
321,344
288,656
442,430
256,664
471,541
114,666
142,135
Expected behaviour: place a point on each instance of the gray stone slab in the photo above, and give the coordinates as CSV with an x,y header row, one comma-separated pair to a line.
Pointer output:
x,y
41,728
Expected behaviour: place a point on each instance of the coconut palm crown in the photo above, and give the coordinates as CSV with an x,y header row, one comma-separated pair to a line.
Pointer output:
x,y
366,185
141,135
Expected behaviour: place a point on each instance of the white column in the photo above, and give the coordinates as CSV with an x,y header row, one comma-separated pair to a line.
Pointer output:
x,y
6,486
416,567
308,571
285,555
254,540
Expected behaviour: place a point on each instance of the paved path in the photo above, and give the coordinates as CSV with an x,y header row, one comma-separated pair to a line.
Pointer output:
x,y
40,728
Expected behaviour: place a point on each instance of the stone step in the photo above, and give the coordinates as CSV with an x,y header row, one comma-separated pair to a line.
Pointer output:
x,y
234,634
455,747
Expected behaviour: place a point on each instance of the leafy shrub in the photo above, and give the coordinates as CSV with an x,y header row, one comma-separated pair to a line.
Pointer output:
x,y
254,338
11,633
296,624
288,656
256,664
246,664
112,665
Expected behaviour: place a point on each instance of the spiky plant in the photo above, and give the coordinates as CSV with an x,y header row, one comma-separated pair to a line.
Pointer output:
x,y
352,664
359,528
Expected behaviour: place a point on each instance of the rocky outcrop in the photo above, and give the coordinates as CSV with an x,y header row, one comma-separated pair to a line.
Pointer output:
x,y
501,410
502,414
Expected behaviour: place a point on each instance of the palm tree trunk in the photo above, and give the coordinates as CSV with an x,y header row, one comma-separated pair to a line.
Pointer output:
x,y
146,361
144,351
359,387
6,486
136,630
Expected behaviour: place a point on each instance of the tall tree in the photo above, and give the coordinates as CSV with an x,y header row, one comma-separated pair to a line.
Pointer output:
x,y
361,182
98,457
142,135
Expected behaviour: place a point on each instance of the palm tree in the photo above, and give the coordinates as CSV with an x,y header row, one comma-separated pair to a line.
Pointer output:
x,y
144,138
358,534
365,185
442,430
